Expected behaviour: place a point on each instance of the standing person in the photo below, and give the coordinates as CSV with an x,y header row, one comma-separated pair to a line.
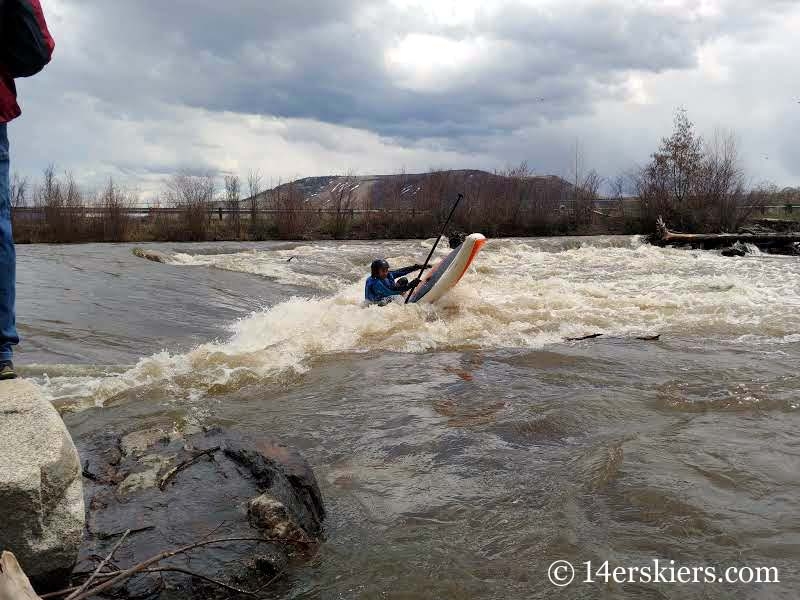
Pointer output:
x,y
25,48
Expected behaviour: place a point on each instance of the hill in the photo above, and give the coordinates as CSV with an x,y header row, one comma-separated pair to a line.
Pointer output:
x,y
422,191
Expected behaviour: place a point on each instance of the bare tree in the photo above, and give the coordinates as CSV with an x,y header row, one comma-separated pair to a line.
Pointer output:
x,y
289,203
341,201
233,188
585,189
115,216
517,191
668,183
254,182
723,184
254,187
696,185
586,195
62,209
193,194
19,191
19,199
49,193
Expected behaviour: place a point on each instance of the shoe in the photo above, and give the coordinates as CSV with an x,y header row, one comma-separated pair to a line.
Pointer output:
x,y
7,370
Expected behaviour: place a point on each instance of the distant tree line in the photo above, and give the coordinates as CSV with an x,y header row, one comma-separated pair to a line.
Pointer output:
x,y
694,184
190,208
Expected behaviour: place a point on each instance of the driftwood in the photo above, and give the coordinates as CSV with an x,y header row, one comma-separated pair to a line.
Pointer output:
x,y
665,237
594,336
591,336
107,536
14,584
777,224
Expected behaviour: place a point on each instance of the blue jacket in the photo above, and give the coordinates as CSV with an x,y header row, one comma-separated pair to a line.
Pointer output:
x,y
376,290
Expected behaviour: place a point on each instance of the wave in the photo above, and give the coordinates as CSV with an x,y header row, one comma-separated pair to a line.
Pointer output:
x,y
520,294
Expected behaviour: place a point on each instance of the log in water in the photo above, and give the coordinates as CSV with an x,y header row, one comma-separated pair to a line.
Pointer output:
x,y
762,239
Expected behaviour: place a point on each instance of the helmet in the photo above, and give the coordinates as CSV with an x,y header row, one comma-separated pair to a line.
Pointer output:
x,y
378,264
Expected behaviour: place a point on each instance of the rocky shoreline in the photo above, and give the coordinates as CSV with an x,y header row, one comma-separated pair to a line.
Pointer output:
x,y
204,513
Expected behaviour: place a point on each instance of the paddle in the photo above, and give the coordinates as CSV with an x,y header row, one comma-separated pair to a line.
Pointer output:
x,y
430,254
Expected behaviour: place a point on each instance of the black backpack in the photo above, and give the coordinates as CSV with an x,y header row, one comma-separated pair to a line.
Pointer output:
x,y
23,46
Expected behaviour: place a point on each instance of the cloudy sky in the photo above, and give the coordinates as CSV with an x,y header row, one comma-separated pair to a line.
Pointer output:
x,y
139,89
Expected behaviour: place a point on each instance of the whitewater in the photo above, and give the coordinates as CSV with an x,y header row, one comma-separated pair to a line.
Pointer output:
x,y
526,294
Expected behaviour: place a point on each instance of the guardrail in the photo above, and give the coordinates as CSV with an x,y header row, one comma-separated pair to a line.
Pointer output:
x,y
148,211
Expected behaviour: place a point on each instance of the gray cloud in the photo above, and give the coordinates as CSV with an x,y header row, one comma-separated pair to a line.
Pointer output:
x,y
487,84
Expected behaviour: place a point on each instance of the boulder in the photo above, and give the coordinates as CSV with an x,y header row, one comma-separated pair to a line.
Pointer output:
x,y
152,255
738,249
173,489
41,492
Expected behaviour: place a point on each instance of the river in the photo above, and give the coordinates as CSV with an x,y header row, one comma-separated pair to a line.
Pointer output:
x,y
463,447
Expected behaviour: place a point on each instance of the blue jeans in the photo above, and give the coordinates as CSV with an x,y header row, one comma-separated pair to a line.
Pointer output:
x,y
8,258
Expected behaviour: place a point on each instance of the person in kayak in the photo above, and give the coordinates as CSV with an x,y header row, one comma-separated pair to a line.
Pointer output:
x,y
383,284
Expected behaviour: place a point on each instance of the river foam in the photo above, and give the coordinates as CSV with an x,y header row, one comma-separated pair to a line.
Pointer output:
x,y
519,294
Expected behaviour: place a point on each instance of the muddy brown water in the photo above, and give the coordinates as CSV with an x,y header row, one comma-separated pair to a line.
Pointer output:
x,y
462,448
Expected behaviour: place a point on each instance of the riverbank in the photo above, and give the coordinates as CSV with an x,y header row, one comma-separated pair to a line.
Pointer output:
x,y
159,225
160,530
96,225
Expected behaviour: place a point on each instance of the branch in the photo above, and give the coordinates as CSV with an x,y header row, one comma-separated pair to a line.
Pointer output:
x,y
85,472
99,568
584,337
217,582
108,536
143,566
185,464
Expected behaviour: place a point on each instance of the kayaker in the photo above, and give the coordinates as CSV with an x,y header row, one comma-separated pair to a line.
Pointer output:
x,y
383,285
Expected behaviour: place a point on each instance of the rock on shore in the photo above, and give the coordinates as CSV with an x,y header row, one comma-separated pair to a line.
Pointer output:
x,y
41,493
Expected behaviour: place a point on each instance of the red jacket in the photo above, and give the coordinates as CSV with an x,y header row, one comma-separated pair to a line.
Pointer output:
x,y
25,48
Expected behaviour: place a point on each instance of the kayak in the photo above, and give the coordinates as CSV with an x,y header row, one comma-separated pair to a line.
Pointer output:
x,y
448,272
